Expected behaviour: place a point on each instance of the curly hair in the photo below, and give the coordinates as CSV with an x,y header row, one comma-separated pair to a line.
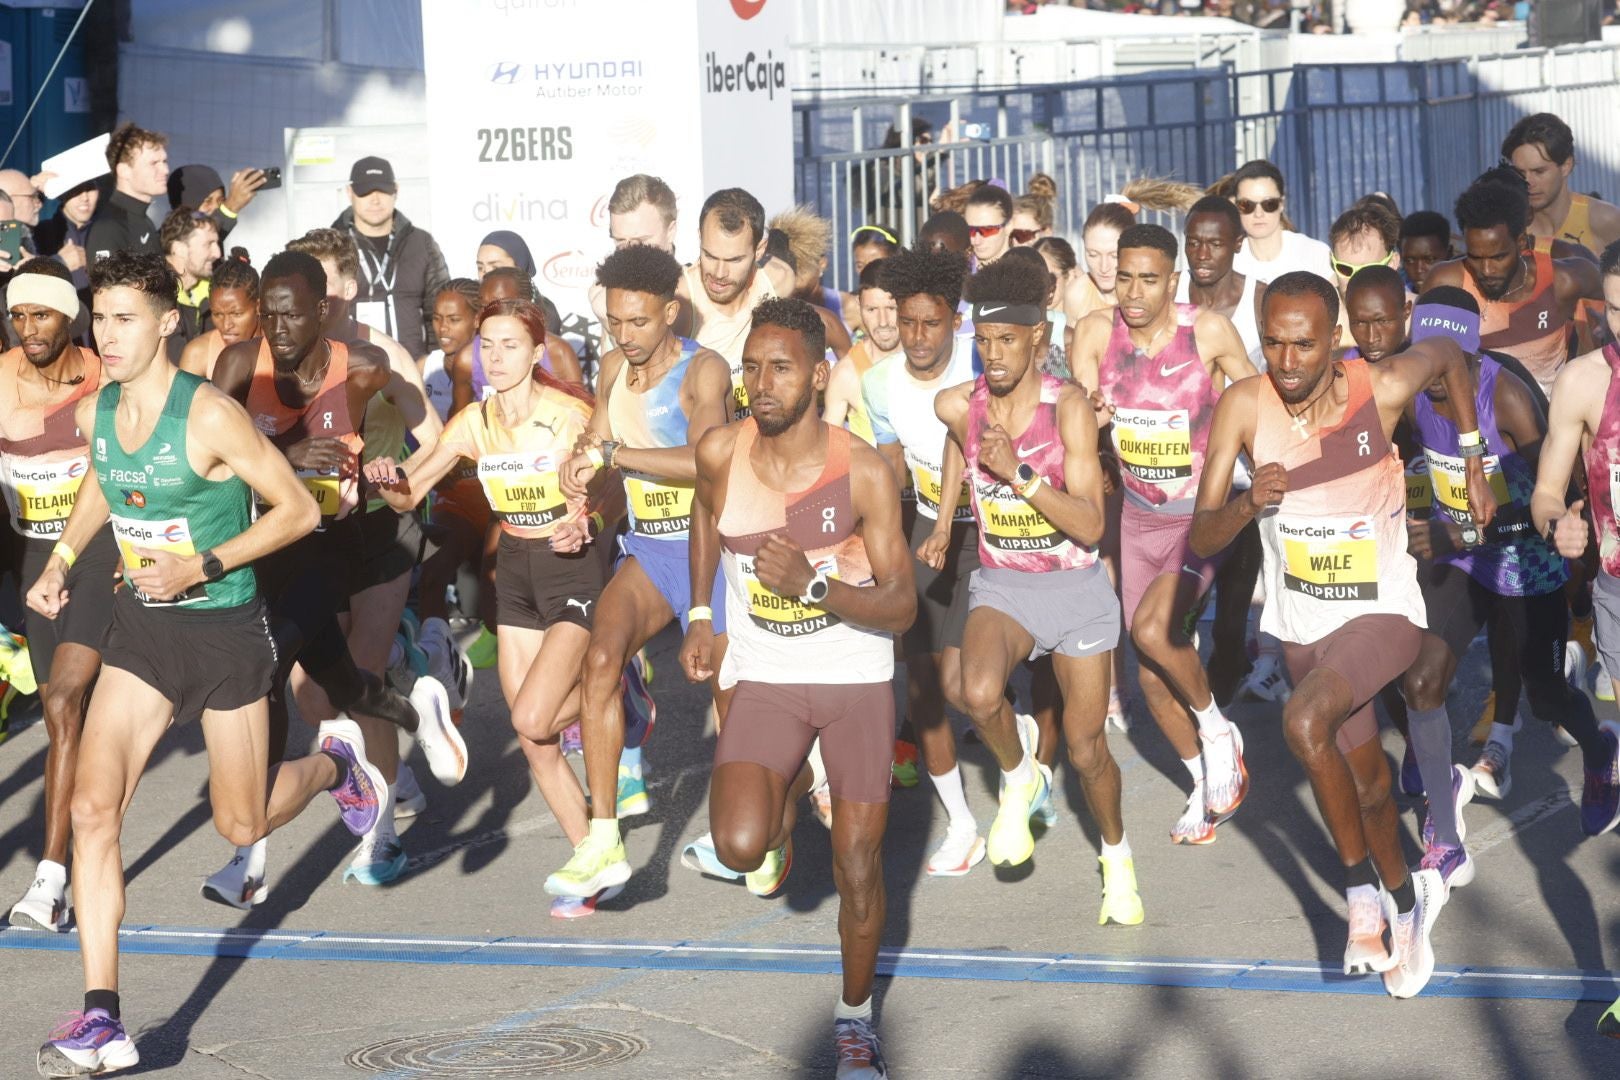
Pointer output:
x,y
917,273
640,268
1018,281
1544,130
128,140
149,274
1488,204
234,273
180,223
1157,237
797,316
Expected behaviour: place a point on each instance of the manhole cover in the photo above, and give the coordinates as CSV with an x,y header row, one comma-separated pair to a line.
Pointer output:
x,y
529,1051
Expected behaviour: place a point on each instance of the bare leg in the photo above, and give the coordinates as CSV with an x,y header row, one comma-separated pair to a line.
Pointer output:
x,y
65,699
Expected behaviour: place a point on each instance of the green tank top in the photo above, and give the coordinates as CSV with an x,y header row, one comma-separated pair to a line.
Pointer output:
x,y
157,501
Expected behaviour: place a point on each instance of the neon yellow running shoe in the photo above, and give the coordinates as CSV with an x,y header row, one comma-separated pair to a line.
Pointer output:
x,y
15,665
595,865
772,872
1010,842
1120,902
1609,1023
482,652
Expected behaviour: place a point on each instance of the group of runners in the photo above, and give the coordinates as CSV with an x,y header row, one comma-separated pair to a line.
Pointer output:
x,y
938,467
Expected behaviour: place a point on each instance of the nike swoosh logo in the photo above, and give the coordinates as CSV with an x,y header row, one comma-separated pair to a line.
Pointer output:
x,y
992,310
145,237
1166,372
1035,449
1088,644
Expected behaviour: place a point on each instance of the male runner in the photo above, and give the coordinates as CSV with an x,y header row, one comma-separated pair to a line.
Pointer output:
x,y
1029,445
1342,591
1367,234
805,521
899,397
657,395
1505,576
641,210
1157,367
189,634
43,459
845,406
303,390
1542,148
1526,299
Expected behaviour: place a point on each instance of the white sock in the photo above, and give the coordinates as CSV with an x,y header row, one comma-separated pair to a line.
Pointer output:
x,y
253,856
1211,722
863,1011
818,769
1502,733
1121,850
948,786
384,829
54,874
1195,767
1022,773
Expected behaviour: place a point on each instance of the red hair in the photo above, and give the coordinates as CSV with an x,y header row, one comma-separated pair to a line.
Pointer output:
x,y
534,323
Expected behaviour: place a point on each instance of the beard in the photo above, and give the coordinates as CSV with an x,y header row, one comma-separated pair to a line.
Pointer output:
x,y
786,418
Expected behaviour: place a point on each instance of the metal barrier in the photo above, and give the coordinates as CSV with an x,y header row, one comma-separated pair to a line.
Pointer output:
x,y
1418,131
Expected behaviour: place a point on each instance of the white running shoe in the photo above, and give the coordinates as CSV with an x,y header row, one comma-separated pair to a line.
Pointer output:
x,y
1266,681
1029,733
1575,665
447,663
234,886
1118,718
1409,933
1194,827
1602,685
1371,910
1493,772
409,798
43,907
436,732
960,851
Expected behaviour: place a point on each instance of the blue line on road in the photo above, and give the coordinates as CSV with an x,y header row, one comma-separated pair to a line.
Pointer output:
x,y
915,962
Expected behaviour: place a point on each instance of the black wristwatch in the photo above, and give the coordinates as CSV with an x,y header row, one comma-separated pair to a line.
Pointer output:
x,y
212,568
1552,529
1025,473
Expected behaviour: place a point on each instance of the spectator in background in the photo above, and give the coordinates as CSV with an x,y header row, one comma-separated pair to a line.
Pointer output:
x,y
503,248
25,201
191,245
401,266
1270,248
1031,220
200,186
66,235
1365,235
988,211
139,160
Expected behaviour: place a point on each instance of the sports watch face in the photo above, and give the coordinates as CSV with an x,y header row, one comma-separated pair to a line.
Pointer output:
x,y
1025,472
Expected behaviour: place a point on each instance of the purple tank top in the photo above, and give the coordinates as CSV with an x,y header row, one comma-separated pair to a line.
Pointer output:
x,y
480,385
1603,468
1529,568
1163,406
1013,535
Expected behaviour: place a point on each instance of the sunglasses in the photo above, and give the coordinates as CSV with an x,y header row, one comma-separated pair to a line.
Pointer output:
x,y
1350,270
981,231
880,230
1024,236
1249,206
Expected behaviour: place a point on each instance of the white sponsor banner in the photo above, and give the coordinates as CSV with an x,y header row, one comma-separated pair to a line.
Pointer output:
x,y
537,108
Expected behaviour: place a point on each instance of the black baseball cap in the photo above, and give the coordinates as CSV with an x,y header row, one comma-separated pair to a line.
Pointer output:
x,y
372,174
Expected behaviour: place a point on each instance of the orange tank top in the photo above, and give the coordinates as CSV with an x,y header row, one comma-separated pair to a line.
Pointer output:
x,y
1534,331
324,416
43,455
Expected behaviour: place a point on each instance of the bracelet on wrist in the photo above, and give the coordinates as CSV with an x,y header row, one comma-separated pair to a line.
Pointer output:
x,y
701,613
65,553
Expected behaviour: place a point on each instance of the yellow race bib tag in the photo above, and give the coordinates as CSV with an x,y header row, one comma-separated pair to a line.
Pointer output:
x,y
327,490
1419,488
658,510
1009,523
739,396
523,489
926,482
172,535
44,494
785,616
1154,445
1330,559
1450,482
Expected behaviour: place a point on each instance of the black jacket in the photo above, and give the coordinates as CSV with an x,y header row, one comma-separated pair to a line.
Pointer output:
x,y
416,267
121,224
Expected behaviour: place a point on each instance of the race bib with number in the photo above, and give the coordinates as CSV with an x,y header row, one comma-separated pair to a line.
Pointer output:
x,y
1330,558
785,616
658,510
1450,483
925,481
172,535
42,494
1009,523
739,396
1154,445
522,489
1419,488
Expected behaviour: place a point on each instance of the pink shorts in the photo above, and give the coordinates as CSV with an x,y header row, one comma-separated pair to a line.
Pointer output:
x,y
1151,545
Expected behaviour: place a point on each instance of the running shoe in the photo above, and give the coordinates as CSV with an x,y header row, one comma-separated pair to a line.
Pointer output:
x,y
903,773
358,797
1462,793
1411,775
234,886
1029,733
1371,910
573,741
1576,665
43,907
1602,684
632,798
447,663
377,861
1481,732
860,1057
821,804
1266,681
1609,1023
1600,798
16,665
1194,826
1120,903
699,855
640,710
568,907
1409,937
1046,811
594,866
436,732
772,872
1118,718
1010,842
1455,865
1226,776
409,798
482,652
406,663
960,851
91,1043
1493,775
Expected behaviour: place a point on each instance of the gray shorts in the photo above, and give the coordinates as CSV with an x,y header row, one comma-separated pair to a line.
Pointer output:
x,y
1069,612
1606,618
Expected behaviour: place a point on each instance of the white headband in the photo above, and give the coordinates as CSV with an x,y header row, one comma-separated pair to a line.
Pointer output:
x,y
45,291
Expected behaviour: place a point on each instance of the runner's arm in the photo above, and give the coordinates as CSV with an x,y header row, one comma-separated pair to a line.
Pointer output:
x,y
403,487
1519,419
1077,511
842,386
890,603
89,513
837,337
1218,339
1217,517
1402,377
407,392
233,371
194,357
709,379
459,368
713,453
1568,424
369,372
